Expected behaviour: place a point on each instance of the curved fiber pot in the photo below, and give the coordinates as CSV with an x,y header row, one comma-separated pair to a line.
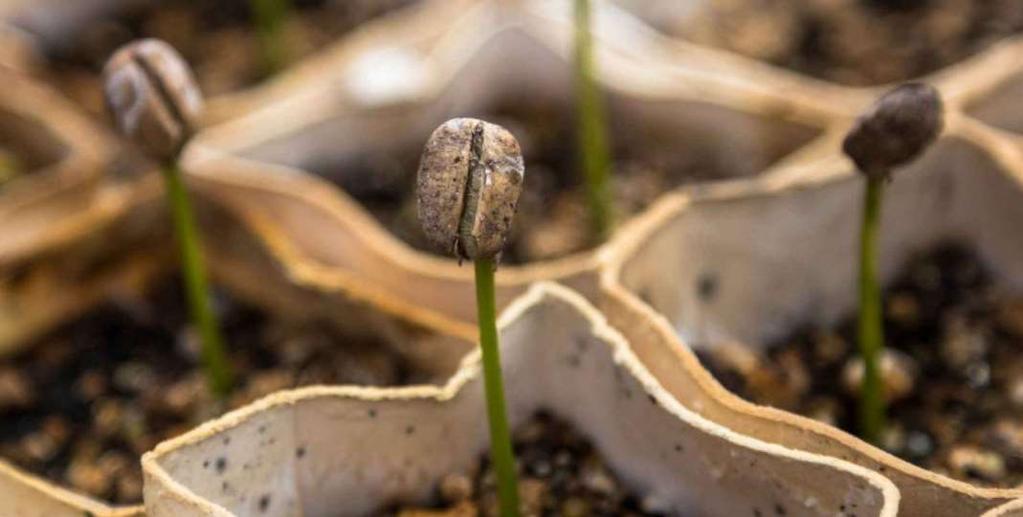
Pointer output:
x,y
968,187
353,451
56,202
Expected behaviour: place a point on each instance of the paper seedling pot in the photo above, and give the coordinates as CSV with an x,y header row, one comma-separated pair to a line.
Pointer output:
x,y
366,448
778,253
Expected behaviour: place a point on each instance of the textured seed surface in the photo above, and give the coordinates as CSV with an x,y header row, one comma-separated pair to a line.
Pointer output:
x,y
469,181
152,97
896,129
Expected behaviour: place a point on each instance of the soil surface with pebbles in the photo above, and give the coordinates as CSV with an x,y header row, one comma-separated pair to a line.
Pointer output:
x,y
854,42
953,370
560,474
80,406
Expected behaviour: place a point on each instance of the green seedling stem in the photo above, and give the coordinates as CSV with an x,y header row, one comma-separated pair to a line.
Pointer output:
x,y
592,131
500,438
269,17
214,360
871,336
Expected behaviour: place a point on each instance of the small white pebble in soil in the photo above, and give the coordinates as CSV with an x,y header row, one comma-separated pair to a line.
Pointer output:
x,y
135,377
970,461
91,385
39,446
919,444
106,417
455,488
898,374
15,389
1010,316
963,343
575,507
597,479
903,308
1008,435
88,477
1015,390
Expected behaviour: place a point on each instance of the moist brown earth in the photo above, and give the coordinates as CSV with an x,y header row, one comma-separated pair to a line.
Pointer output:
x,y
80,406
216,38
552,218
560,474
956,384
855,42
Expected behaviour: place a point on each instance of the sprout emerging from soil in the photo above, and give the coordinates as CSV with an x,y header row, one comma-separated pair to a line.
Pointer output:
x,y
153,98
891,133
469,182
269,17
592,131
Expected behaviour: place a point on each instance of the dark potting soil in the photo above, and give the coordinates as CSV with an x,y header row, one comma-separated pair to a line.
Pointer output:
x,y
82,405
955,378
856,42
560,474
552,219
217,39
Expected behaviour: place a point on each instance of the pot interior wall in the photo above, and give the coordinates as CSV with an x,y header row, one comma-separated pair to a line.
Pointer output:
x,y
750,267
1001,107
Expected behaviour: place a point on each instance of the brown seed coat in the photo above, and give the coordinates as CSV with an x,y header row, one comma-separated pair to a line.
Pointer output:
x,y
152,97
469,182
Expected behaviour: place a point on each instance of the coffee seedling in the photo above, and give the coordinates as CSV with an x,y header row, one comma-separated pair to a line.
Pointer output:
x,y
469,181
891,133
592,129
155,102
269,17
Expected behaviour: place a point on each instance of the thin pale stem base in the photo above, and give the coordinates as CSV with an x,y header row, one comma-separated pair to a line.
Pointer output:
x,y
594,156
500,438
214,358
870,332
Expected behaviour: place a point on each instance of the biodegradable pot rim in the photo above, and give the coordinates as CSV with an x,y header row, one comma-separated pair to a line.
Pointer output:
x,y
1011,509
71,501
471,369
